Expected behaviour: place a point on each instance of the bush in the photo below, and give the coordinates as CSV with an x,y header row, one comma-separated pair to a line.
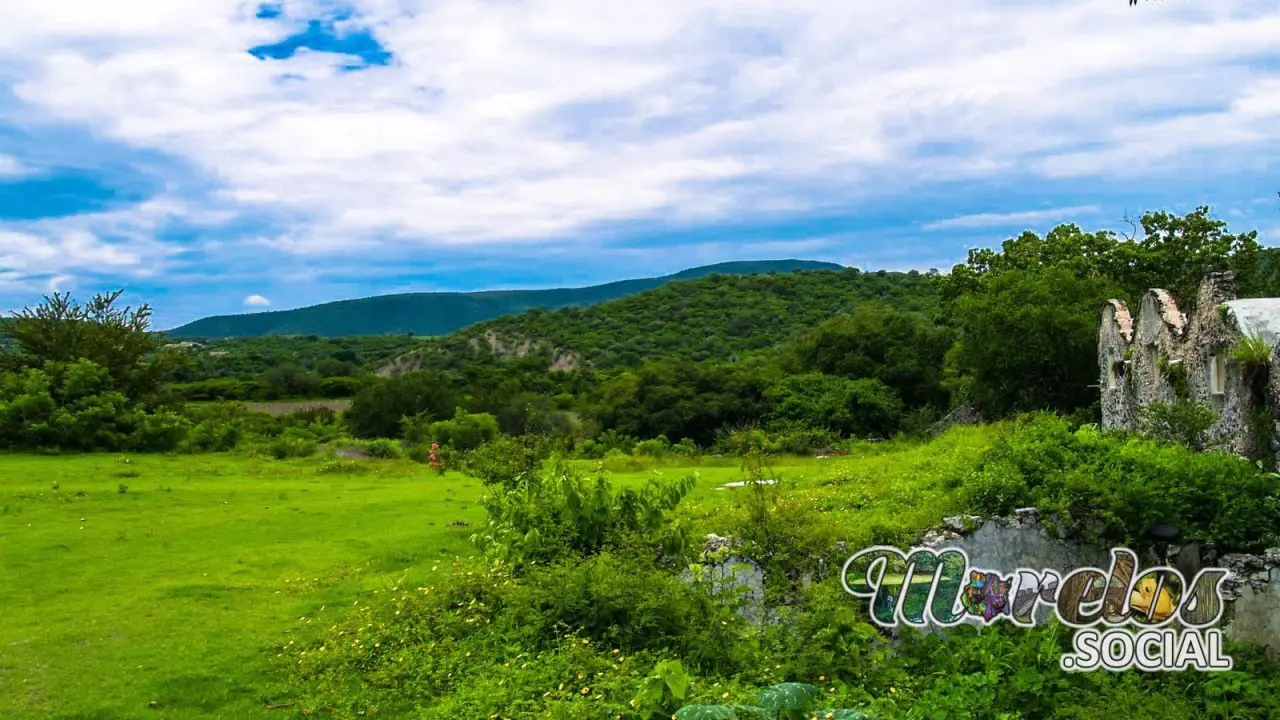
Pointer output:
x,y
1184,421
548,516
1113,487
505,460
291,444
802,441
76,406
658,447
686,448
860,407
466,431
383,449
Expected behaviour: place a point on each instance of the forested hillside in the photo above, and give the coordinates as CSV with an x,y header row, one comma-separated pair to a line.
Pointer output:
x,y
721,317
439,313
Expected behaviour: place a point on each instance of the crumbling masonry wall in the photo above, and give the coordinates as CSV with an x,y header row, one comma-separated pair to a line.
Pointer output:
x,y
1167,355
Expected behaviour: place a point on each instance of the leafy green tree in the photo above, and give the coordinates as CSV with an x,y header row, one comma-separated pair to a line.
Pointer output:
x,y
116,339
684,400
860,407
901,349
1174,252
1030,341
378,409
290,380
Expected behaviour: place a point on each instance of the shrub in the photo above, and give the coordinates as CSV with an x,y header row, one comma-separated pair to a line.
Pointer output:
x,y
341,466
656,448
686,448
547,516
377,410
802,441
466,431
1183,421
505,460
290,444
383,448
1114,487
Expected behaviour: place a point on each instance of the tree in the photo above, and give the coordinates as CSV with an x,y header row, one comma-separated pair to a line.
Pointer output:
x,y
116,339
901,349
377,411
1175,252
1030,341
290,380
861,407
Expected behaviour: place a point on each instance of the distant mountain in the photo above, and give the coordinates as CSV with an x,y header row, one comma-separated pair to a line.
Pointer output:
x,y
444,312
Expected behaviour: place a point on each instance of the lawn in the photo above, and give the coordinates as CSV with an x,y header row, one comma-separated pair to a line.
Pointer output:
x,y
174,580
169,579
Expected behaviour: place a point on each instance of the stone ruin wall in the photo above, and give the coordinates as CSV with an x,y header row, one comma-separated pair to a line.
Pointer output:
x,y
1007,544
1138,360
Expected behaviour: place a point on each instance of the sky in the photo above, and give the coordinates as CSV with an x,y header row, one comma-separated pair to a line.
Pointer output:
x,y
216,156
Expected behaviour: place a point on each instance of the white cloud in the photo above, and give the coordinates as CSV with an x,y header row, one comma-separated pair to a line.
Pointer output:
x,y
980,220
10,166
535,120
256,301
61,283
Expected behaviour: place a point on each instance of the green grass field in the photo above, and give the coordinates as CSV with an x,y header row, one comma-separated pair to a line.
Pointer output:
x,y
174,579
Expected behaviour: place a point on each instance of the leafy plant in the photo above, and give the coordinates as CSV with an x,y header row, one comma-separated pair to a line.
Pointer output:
x,y
1183,421
1252,352
545,516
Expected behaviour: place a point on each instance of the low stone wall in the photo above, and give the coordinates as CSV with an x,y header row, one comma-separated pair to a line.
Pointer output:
x,y
1006,544
1251,588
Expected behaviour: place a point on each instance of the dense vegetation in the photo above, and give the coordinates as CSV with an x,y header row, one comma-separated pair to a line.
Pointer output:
x,y
580,595
445,312
722,317
575,609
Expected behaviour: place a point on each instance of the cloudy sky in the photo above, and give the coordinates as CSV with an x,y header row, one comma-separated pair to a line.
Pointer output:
x,y
218,156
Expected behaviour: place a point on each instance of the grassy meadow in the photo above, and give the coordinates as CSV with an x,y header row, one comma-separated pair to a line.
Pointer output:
x,y
166,585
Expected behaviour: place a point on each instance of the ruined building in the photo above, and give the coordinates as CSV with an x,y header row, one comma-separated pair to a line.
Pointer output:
x,y
1164,354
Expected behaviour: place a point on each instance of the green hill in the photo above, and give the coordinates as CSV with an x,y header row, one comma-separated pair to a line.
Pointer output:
x,y
445,312
721,317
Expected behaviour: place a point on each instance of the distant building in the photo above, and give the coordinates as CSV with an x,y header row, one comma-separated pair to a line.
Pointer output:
x,y
1164,354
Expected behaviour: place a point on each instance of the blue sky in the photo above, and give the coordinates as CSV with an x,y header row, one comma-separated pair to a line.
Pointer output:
x,y
216,157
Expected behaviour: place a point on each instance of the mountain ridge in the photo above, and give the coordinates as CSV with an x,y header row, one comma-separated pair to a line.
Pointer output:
x,y
440,313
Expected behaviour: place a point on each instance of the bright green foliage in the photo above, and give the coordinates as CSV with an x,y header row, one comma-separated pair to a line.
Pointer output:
x,y
505,460
706,712
466,431
1183,421
118,340
384,449
546,516
1124,485
1252,351
783,701
789,699
76,406
1174,252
